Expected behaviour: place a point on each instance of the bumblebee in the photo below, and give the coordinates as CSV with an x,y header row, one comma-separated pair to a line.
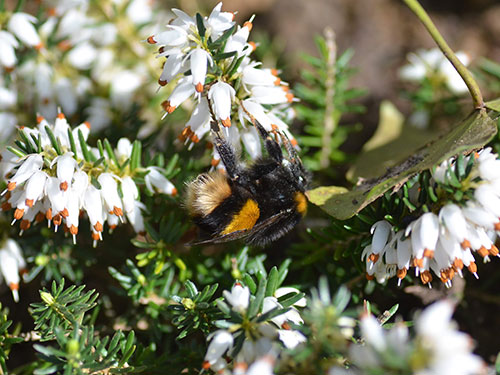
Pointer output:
x,y
260,202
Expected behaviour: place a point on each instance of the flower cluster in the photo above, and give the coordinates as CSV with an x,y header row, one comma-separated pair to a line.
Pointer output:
x,y
80,55
256,335
56,178
446,240
437,348
438,79
20,27
434,66
12,264
207,59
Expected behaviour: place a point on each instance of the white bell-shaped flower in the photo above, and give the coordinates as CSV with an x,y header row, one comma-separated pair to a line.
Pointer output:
x,y
156,180
199,59
220,342
239,297
109,193
21,25
221,96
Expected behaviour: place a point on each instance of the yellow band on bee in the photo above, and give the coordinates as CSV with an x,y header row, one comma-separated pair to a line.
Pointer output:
x,y
245,219
301,201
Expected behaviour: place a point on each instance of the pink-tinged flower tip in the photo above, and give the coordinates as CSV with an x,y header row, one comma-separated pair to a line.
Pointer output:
x,y
29,202
465,244
73,230
289,97
64,45
401,273
428,253
25,225
98,227
426,277
87,124
472,267
458,264
199,87
61,116
117,211
63,186
64,213
48,214
215,162
151,40
11,186
493,251
205,365
248,25
294,142
252,45
373,257
226,122
286,326
167,107
18,213
39,119
174,192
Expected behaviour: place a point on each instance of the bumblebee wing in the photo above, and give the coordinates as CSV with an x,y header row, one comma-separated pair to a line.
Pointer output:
x,y
236,235
223,238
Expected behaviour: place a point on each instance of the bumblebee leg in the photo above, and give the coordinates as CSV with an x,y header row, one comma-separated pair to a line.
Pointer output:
x,y
272,147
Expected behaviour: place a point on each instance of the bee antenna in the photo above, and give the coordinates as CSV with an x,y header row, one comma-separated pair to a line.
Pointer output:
x,y
290,150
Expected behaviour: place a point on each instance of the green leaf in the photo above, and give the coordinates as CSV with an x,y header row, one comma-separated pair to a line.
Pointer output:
x,y
290,299
342,298
388,314
110,152
493,105
391,143
272,313
83,144
224,55
201,26
223,38
272,282
250,283
473,133
53,140
135,158
255,305
72,143
283,270
191,288
16,152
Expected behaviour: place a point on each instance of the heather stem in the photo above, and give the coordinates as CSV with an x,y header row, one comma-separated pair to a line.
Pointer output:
x,y
477,97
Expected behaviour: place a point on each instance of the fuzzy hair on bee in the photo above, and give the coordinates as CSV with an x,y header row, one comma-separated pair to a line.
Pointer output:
x,y
260,202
